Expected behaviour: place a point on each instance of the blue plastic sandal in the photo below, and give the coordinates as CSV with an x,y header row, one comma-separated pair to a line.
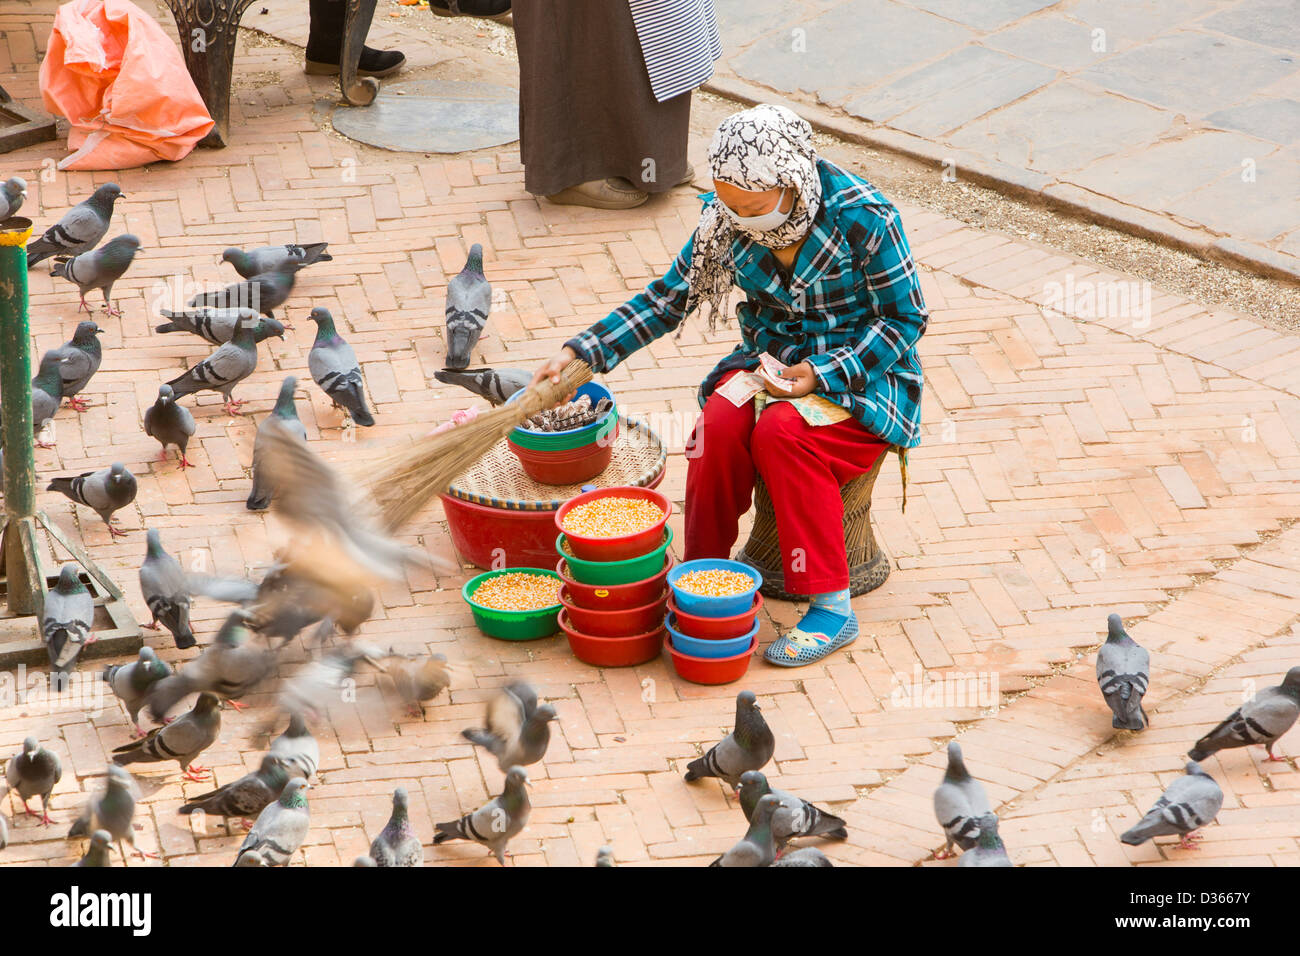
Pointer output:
x,y
820,633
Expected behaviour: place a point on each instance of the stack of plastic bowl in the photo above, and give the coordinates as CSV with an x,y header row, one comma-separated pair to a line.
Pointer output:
x,y
512,625
573,455
712,639
614,593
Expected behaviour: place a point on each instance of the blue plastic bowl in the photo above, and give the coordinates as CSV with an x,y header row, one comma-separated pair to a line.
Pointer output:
x,y
703,606
729,647
568,437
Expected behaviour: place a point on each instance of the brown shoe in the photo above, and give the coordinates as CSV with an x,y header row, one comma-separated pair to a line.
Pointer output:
x,y
612,193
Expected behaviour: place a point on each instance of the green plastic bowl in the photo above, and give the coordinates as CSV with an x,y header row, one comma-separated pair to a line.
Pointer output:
x,y
514,625
616,572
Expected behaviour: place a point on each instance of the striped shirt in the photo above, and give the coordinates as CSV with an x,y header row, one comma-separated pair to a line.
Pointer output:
x,y
679,42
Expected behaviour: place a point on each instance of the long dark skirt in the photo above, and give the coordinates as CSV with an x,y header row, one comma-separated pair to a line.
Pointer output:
x,y
586,111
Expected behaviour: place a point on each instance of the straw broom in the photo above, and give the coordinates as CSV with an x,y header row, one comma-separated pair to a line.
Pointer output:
x,y
410,477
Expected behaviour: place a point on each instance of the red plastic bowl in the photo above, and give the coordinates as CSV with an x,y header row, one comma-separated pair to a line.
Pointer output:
x,y
715,628
614,597
567,467
613,651
620,623
703,670
615,549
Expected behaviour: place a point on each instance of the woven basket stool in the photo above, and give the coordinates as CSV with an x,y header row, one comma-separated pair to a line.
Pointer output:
x,y
868,565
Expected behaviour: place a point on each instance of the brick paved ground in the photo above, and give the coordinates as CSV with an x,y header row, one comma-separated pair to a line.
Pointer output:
x,y
1072,465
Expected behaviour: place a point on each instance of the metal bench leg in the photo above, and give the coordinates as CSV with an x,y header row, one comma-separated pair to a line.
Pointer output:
x,y
358,91
208,30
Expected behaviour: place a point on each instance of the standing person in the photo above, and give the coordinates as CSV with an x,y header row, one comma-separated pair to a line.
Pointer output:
x,y
605,95
325,45
833,293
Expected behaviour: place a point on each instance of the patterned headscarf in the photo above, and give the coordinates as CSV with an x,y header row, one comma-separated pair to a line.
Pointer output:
x,y
761,148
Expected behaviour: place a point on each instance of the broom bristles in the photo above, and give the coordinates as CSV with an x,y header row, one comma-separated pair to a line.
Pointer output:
x,y
409,478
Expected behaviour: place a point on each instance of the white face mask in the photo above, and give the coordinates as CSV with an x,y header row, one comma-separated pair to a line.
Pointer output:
x,y
762,223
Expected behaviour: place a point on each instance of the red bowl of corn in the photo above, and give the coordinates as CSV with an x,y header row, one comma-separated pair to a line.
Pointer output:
x,y
620,623
707,670
614,524
613,651
614,597
713,628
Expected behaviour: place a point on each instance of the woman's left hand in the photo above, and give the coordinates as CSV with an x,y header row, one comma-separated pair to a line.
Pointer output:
x,y
802,379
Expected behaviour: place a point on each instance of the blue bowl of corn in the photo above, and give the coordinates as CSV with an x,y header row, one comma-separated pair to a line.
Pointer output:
x,y
512,603
714,587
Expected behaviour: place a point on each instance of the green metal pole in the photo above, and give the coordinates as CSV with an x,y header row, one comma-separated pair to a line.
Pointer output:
x,y
16,402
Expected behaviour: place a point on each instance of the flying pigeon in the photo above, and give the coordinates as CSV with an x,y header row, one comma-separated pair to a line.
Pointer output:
x,y
246,797
254,262
1261,720
322,682
516,730
605,856
166,591
218,325
106,491
170,423
264,292
334,367
497,822
80,229
1123,668
12,193
34,773
228,667
749,747
66,622
182,740
297,748
793,817
113,810
397,844
99,268
494,384
418,678
1190,802
222,370
757,847
469,302
286,414
47,393
988,849
280,828
959,802
79,359
97,854
804,856
131,682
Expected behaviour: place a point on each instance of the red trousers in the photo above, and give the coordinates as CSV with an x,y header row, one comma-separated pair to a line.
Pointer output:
x,y
803,467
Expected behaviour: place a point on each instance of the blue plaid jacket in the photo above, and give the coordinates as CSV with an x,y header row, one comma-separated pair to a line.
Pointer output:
x,y
852,309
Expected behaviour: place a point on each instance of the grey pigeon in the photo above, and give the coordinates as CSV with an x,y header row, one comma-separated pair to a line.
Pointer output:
x,y
397,844
97,854
794,816
113,810
1261,720
12,193
246,797
269,258
79,360
228,667
170,423
263,293
959,802
322,682
280,828
494,384
297,748
222,370
804,856
285,413
182,740
749,747
1123,669
166,591
756,847
80,229
106,491
131,682
988,849
497,822
66,622
218,325
47,393
34,773
99,268
335,369
605,856
1190,802
418,679
517,731
469,303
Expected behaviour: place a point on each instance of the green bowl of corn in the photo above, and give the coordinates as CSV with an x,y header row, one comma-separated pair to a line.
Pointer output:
x,y
616,572
491,594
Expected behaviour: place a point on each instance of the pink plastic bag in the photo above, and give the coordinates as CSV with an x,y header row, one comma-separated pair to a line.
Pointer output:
x,y
123,86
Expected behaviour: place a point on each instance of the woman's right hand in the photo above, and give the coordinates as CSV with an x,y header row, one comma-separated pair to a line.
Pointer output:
x,y
554,366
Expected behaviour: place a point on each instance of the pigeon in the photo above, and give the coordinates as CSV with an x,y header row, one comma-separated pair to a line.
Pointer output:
x,y
297,748
170,423
34,773
285,413
47,393
804,856
988,849
334,367
80,229
364,860
756,847
494,384
166,591
469,302
280,828
497,822
97,854
12,193
66,622
218,325
269,258
605,856
959,802
263,293
106,491
794,816
1261,720
397,844
286,601
246,797
229,667
516,730
1190,802
112,809
79,359
418,678
182,740
99,268
321,682
749,747
222,370
1123,668
131,682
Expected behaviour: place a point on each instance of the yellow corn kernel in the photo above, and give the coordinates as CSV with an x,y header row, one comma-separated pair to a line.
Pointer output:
x,y
518,591
612,517
715,582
